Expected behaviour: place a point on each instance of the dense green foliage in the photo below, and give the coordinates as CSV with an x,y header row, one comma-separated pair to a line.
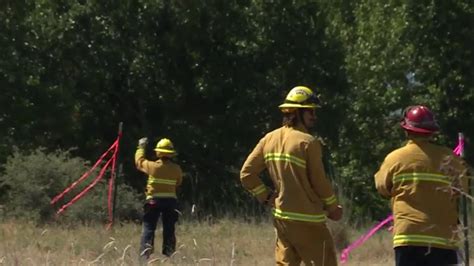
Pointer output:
x,y
209,75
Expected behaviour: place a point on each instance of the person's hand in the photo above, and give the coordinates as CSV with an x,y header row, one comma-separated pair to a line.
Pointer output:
x,y
142,143
270,200
336,214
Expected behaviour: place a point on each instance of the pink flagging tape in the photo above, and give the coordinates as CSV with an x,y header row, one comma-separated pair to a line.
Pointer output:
x,y
345,253
361,240
83,192
86,174
110,163
460,148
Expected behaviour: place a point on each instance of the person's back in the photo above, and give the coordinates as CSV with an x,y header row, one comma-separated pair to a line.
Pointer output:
x,y
303,196
298,180
164,176
424,209
423,181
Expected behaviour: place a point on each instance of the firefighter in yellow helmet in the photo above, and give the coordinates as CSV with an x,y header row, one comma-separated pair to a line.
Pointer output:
x,y
423,194
303,196
164,176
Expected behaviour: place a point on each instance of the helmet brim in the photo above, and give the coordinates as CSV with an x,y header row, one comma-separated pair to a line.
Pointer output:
x,y
296,105
165,151
417,129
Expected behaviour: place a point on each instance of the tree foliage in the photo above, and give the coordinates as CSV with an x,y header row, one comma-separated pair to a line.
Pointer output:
x,y
209,75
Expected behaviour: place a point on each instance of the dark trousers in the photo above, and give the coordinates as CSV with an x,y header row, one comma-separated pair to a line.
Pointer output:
x,y
153,209
421,256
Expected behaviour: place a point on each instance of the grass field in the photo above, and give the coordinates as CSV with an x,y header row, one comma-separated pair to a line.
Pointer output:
x,y
222,242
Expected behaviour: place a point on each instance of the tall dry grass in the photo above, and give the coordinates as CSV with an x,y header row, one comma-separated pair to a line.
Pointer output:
x,y
219,242
223,242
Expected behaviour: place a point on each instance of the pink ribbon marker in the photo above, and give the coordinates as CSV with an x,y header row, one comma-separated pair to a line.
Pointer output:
x,y
459,150
362,239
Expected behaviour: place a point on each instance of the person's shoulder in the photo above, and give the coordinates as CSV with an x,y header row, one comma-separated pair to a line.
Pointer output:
x,y
307,140
442,148
310,139
448,154
294,134
304,136
178,167
397,153
273,133
173,164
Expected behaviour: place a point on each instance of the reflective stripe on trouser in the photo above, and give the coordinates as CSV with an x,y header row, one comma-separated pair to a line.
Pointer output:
x,y
298,242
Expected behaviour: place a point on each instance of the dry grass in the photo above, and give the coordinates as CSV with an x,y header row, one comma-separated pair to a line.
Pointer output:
x,y
377,250
224,242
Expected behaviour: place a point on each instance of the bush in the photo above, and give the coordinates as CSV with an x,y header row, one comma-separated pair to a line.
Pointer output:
x,y
32,179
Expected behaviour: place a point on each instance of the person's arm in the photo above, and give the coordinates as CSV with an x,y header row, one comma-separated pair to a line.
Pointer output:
x,y
249,175
179,179
141,162
383,179
319,182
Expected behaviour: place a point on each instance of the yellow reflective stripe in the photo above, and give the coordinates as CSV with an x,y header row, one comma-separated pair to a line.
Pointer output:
x,y
258,190
140,151
422,177
313,218
422,239
285,157
154,180
330,200
161,195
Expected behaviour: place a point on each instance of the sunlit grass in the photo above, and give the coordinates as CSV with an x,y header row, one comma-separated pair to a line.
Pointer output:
x,y
222,242
218,242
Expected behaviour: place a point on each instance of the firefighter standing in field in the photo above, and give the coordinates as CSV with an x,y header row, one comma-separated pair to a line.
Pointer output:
x,y
423,195
164,176
303,195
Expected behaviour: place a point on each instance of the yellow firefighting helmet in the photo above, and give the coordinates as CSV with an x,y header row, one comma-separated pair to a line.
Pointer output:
x,y
299,97
165,147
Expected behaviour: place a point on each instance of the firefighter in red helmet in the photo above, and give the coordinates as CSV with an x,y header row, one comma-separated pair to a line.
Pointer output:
x,y
419,120
423,196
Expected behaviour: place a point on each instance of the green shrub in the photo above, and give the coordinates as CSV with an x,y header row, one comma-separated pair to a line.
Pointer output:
x,y
32,179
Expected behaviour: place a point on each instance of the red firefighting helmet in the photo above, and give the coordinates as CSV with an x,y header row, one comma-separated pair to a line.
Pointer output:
x,y
419,119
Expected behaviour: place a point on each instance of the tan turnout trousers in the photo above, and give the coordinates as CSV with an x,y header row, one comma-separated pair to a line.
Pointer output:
x,y
310,243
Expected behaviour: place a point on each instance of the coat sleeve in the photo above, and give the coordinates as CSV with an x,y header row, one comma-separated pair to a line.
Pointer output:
x,y
383,178
249,174
317,176
179,179
141,163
